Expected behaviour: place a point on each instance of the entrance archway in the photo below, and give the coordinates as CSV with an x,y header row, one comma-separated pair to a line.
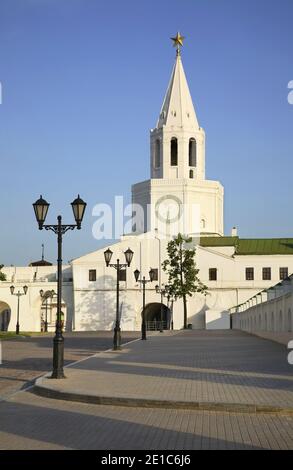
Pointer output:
x,y
5,315
48,313
155,313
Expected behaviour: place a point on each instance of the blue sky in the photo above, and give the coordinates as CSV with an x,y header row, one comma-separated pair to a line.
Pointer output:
x,y
83,82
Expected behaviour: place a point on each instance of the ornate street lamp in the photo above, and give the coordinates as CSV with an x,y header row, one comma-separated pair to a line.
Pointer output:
x,y
128,256
18,294
143,281
108,255
164,291
78,207
41,209
45,296
118,266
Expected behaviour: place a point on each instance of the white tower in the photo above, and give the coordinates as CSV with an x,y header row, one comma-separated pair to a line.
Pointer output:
x,y
178,196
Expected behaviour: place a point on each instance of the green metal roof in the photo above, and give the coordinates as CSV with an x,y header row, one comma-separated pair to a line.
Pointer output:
x,y
252,246
218,241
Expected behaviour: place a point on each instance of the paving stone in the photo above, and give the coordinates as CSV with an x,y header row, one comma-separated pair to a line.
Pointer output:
x,y
227,370
228,366
26,358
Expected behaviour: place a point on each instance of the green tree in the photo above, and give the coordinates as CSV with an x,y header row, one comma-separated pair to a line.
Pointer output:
x,y
2,275
182,273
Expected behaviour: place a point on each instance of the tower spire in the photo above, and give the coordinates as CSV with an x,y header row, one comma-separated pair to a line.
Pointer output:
x,y
177,168
178,110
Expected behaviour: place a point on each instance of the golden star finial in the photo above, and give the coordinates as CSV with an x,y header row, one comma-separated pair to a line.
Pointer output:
x,y
178,41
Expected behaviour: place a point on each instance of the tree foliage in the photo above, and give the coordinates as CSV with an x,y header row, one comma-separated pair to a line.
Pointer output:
x,y
2,275
182,272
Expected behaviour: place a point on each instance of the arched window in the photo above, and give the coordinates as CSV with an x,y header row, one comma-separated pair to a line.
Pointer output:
x,y
192,152
190,173
174,152
157,157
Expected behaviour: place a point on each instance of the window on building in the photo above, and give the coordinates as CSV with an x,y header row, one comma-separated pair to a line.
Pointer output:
x,y
92,275
213,274
122,275
283,273
266,274
192,152
249,274
156,274
157,160
174,152
190,173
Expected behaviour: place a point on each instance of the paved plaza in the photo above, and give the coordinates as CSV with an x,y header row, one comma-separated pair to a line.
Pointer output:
x,y
219,370
31,422
227,367
26,358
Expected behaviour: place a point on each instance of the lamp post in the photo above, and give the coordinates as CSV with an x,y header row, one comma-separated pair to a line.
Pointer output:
x,y
46,296
41,209
143,281
18,294
164,291
118,266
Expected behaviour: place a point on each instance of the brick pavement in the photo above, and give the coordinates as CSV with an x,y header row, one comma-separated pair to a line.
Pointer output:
x,y
205,369
31,422
26,358
231,359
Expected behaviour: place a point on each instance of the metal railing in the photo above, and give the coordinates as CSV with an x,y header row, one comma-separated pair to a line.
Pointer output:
x,y
155,325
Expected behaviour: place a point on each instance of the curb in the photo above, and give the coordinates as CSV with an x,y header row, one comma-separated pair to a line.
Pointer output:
x,y
30,384
149,403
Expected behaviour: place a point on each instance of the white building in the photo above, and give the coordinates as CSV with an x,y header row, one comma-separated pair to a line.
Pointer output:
x,y
32,309
268,314
176,198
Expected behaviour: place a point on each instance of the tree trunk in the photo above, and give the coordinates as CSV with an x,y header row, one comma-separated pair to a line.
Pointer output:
x,y
185,311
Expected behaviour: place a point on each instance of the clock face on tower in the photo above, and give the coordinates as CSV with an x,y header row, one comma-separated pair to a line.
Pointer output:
x,y
168,209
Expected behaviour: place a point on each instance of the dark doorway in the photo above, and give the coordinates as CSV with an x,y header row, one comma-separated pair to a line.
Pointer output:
x,y
154,316
5,315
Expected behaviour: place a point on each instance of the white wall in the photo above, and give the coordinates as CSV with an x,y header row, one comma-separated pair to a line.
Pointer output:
x,y
269,315
36,278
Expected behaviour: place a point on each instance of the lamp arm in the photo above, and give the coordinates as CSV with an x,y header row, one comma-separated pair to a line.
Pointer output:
x,y
64,228
118,266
